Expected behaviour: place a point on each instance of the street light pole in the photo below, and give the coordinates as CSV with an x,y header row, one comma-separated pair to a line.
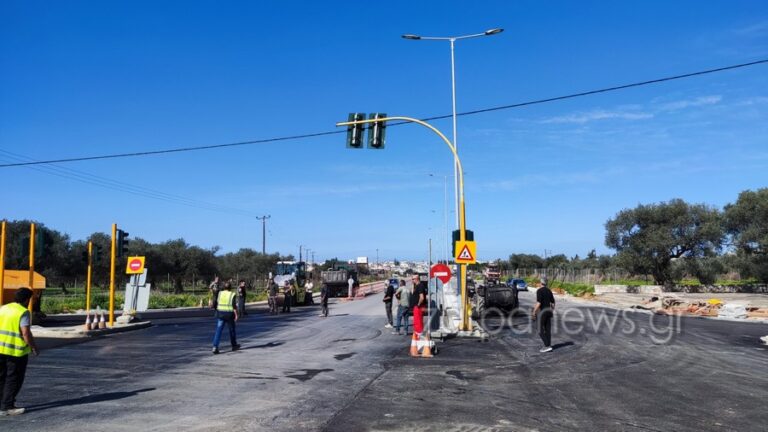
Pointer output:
x,y
452,40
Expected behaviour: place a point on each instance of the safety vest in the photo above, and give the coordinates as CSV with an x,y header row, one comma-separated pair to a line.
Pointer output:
x,y
224,303
11,342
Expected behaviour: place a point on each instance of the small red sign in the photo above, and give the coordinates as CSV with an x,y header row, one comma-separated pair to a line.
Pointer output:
x,y
135,264
440,271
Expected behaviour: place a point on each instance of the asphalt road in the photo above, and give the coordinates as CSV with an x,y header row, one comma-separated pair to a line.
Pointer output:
x,y
629,376
346,373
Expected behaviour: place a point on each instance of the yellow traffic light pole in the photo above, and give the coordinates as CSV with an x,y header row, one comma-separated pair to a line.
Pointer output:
x,y
466,324
2,261
31,266
88,278
112,277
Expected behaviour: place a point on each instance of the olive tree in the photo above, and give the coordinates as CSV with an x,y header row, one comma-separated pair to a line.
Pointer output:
x,y
649,238
746,224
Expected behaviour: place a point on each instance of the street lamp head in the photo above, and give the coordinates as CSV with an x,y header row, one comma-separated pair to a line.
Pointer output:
x,y
411,36
493,31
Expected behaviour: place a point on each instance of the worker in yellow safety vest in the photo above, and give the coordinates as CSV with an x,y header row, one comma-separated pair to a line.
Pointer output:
x,y
226,313
16,342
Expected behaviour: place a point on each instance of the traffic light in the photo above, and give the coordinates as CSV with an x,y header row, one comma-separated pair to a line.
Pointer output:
x,y
122,243
39,243
457,235
376,131
355,132
96,254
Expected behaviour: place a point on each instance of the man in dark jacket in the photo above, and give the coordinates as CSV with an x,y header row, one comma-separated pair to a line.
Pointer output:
x,y
324,293
545,307
389,295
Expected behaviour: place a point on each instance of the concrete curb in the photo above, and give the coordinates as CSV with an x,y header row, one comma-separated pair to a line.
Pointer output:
x,y
76,332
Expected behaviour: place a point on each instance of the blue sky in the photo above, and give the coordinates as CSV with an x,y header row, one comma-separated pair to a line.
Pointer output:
x,y
84,78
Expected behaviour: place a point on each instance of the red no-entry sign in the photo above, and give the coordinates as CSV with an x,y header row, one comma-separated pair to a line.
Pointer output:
x,y
440,271
135,265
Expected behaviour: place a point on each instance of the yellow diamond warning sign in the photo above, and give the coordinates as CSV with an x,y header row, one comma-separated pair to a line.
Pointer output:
x,y
466,252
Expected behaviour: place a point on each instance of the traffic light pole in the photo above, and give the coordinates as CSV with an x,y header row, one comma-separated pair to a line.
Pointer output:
x,y
466,324
2,261
88,278
112,277
31,266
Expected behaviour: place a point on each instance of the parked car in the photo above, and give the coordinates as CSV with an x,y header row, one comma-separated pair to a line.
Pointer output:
x,y
521,285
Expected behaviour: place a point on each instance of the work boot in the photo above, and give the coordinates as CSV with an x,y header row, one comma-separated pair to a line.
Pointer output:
x,y
235,347
215,350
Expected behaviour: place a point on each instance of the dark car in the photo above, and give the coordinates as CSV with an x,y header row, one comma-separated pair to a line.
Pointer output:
x,y
521,285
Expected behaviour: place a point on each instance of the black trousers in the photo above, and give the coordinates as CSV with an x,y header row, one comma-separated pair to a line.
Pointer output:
x,y
12,371
287,303
545,327
388,308
325,308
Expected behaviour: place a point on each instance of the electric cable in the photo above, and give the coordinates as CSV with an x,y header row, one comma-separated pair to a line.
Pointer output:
x,y
318,134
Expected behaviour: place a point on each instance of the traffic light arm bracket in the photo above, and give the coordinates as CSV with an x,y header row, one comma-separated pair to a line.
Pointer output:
x,y
462,215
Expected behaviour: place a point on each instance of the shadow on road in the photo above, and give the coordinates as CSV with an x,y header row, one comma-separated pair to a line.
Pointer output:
x,y
88,399
266,345
562,345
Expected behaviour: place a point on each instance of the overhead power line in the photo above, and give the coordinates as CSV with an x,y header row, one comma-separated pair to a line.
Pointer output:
x,y
116,185
318,134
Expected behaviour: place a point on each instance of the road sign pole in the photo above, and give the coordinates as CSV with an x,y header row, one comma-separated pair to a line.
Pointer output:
x,y
112,276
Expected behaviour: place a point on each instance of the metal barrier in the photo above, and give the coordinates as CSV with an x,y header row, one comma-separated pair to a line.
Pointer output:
x,y
367,289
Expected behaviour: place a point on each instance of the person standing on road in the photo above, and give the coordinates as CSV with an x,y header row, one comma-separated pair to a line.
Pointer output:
x,y
214,291
16,342
272,297
288,291
351,289
308,288
389,295
241,292
403,296
544,307
419,302
226,313
324,292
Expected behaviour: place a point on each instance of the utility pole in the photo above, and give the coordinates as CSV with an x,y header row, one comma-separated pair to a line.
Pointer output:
x,y
300,246
264,233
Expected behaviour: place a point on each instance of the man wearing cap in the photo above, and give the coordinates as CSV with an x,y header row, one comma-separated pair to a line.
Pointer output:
x,y
545,306
16,342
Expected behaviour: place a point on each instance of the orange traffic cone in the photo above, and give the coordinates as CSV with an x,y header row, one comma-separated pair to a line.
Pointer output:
x,y
426,349
87,322
415,345
102,321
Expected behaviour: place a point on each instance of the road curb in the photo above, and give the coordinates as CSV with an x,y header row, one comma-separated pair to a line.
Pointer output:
x,y
76,332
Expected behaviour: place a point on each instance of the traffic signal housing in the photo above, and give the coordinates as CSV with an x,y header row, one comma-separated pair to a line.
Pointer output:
x,y
122,243
376,131
355,131
96,258
456,235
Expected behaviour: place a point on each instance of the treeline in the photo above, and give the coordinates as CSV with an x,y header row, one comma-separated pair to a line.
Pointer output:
x,y
673,240
62,263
